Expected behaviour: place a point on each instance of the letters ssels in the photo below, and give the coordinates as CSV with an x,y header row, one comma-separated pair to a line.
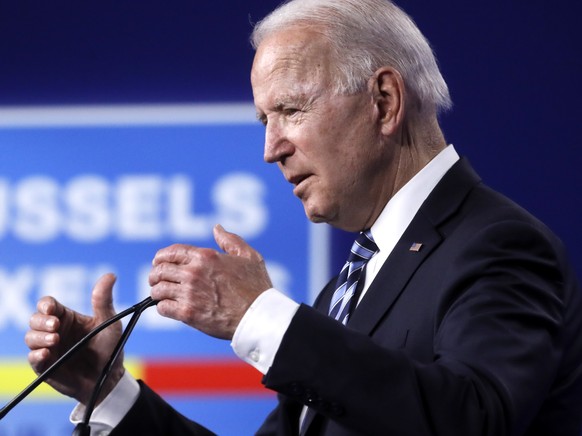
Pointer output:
x,y
90,208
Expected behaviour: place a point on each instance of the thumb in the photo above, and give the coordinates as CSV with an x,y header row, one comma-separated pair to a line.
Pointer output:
x,y
233,244
102,297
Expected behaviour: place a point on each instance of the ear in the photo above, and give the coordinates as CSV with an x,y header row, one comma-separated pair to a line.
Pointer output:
x,y
389,96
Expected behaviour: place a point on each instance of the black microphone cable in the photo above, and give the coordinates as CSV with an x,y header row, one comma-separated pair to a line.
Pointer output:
x,y
139,307
83,428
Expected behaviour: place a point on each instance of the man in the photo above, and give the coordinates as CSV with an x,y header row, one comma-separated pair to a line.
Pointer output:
x,y
466,320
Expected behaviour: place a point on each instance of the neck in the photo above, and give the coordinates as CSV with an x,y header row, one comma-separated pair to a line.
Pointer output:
x,y
418,142
411,148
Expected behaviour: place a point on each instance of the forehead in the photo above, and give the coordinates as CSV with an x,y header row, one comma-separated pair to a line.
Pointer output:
x,y
295,54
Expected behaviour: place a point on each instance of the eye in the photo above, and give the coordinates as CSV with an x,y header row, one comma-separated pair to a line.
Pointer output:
x,y
290,111
262,119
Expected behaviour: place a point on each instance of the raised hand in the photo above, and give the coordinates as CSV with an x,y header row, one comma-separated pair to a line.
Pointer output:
x,y
206,289
56,328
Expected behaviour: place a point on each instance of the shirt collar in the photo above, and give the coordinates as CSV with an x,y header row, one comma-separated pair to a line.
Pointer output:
x,y
403,206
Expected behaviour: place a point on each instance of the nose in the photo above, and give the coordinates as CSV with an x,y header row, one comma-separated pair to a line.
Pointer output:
x,y
277,145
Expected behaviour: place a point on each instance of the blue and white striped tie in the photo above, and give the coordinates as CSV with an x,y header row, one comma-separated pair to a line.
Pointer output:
x,y
341,302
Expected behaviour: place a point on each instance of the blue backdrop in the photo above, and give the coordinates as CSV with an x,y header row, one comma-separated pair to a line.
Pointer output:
x,y
513,69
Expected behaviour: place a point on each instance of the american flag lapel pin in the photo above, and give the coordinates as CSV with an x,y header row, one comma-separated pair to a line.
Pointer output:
x,y
416,246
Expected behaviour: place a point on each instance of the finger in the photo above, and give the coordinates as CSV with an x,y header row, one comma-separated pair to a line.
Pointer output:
x,y
165,291
102,297
166,272
50,306
46,323
38,340
39,359
178,253
167,309
232,243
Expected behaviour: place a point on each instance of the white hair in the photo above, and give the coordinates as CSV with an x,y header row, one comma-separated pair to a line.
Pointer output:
x,y
365,35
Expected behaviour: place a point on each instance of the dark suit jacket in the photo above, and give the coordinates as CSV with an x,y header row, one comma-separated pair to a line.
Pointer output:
x,y
477,333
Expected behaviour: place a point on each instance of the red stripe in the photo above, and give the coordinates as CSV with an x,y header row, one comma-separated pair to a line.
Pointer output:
x,y
203,377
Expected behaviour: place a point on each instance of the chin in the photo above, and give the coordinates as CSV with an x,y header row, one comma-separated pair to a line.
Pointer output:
x,y
316,215
317,219
320,207
313,215
333,220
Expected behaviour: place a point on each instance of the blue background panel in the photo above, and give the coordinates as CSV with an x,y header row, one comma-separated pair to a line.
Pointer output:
x,y
76,202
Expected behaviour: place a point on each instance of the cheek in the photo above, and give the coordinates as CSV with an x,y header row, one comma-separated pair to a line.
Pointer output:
x,y
333,147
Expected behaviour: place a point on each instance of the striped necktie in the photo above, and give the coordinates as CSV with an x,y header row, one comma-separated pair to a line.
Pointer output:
x,y
341,302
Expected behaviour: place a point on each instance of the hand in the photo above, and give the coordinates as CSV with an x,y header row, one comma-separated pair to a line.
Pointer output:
x,y
55,328
205,289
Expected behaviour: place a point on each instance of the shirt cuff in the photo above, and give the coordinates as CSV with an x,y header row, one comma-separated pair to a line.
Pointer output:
x,y
260,331
109,413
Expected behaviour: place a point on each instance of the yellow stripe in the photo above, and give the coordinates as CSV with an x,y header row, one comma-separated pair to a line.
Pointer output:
x,y
16,375
135,367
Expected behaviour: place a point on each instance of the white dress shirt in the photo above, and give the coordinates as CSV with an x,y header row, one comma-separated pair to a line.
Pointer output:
x,y
260,332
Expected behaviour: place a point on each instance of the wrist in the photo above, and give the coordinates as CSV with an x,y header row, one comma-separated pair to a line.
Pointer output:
x,y
111,382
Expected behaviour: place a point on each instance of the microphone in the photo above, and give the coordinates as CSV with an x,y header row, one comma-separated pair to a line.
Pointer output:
x,y
83,427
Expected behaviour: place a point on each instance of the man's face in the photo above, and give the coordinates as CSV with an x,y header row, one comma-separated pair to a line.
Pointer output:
x,y
328,146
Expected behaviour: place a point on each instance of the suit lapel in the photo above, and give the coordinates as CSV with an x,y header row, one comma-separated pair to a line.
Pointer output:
x,y
406,258
394,274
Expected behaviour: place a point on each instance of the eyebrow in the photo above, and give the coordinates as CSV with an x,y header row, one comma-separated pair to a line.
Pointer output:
x,y
277,107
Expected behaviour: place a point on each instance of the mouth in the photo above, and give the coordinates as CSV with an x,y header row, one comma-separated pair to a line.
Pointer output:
x,y
297,179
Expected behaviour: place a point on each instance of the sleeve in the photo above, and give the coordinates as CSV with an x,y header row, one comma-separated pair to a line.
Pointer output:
x,y
151,415
258,335
496,346
112,409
